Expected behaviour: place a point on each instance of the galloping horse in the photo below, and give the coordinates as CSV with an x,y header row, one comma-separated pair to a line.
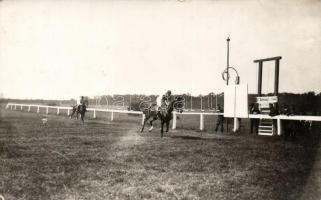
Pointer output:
x,y
81,109
164,115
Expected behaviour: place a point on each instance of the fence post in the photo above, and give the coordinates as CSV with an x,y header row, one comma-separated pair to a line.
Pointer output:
x,y
143,118
279,127
68,112
201,122
15,107
21,107
38,109
215,101
47,111
112,116
29,107
236,124
174,120
94,113
130,102
11,107
57,110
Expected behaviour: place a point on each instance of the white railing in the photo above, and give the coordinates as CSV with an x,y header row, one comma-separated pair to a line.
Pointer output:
x,y
14,106
201,114
285,117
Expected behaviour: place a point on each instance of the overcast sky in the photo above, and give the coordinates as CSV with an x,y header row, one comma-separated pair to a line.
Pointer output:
x,y
63,49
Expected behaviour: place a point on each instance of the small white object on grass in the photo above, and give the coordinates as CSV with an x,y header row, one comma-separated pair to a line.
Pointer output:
x,y
44,120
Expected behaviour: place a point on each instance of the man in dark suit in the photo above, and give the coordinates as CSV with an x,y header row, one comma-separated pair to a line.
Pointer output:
x,y
254,122
220,118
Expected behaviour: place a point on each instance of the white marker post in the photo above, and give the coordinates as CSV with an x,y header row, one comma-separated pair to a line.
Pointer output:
x,y
174,120
112,116
279,128
201,122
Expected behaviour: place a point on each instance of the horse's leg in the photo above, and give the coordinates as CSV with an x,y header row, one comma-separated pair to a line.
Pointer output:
x,y
162,128
72,113
167,126
151,124
82,115
145,120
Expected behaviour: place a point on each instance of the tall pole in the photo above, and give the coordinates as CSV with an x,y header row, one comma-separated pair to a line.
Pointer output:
x,y
276,77
228,58
227,66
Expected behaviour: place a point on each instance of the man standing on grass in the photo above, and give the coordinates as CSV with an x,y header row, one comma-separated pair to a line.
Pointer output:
x,y
220,118
254,122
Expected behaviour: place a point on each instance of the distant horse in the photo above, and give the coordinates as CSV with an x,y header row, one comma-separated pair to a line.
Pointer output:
x,y
164,115
81,109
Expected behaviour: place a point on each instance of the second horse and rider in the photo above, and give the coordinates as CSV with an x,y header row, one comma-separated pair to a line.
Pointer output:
x,y
80,107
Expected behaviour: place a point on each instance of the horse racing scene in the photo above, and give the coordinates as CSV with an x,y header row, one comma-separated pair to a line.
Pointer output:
x,y
163,99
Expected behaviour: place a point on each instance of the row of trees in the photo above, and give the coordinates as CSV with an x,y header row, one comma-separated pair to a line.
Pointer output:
x,y
305,103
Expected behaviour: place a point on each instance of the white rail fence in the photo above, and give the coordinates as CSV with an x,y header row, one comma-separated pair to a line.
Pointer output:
x,y
15,106
278,118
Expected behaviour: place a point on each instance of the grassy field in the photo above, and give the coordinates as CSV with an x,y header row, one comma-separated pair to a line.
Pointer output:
x,y
111,160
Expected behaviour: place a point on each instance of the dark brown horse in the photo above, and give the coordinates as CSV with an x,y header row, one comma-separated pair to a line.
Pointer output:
x,y
164,114
81,109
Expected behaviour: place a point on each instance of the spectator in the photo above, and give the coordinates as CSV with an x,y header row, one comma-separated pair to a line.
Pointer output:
x,y
293,124
273,110
220,118
254,122
285,123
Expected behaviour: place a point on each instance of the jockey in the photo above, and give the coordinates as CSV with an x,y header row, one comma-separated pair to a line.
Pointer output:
x,y
164,100
80,101
167,98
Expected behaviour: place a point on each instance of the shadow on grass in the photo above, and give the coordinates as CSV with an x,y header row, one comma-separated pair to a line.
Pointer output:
x,y
187,137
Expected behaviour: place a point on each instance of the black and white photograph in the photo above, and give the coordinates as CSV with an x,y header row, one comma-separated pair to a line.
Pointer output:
x,y
160,99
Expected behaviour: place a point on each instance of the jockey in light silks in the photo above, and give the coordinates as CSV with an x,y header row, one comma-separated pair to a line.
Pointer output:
x,y
163,101
80,101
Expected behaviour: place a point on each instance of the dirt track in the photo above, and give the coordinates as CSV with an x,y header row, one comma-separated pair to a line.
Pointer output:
x,y
65,160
